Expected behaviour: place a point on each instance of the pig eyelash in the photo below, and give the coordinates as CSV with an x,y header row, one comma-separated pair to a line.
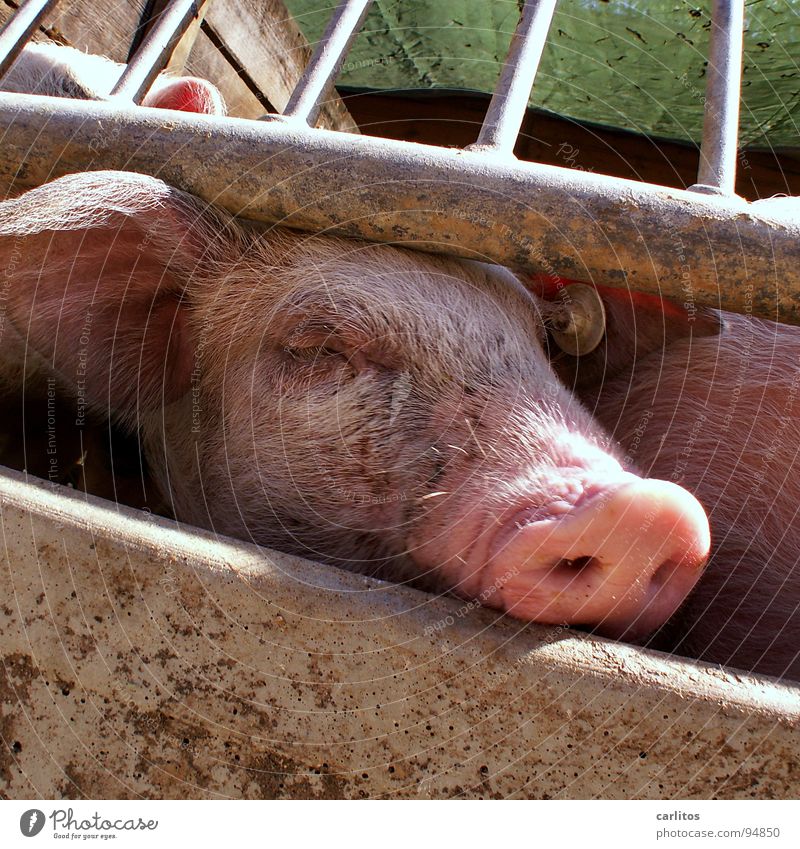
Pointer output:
x,y
327,355
362,349
326,344
313,353
309,352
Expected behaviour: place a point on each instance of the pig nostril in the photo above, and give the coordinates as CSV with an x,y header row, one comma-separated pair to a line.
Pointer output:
x,y
664,572
577,564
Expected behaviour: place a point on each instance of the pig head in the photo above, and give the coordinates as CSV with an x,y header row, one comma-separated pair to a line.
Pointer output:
x,y
371,407
709,400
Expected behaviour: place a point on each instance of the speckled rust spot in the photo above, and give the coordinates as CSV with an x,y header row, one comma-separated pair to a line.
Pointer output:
x,y
279,777
17,671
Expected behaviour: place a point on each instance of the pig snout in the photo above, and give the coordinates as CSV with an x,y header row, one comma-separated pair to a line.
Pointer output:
x,y
620,560
563,532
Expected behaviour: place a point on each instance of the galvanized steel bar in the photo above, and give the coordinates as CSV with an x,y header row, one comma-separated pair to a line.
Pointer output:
x,y
700,249
326,61
19,28
721,117
152,57
510,100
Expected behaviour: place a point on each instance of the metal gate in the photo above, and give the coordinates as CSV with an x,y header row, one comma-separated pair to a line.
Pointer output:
x,y
478,202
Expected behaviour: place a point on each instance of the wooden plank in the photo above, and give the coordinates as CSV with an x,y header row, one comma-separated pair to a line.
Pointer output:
x,y
254,52
197,54
263,38
109,27
101,26
205,60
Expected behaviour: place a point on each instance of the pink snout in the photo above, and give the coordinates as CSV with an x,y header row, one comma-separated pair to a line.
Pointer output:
x,y
620,563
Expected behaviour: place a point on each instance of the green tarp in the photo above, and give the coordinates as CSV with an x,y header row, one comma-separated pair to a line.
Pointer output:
x,y
634,64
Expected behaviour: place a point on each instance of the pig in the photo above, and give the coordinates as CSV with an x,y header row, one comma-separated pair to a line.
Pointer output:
x,y
57,70
359,404
709,400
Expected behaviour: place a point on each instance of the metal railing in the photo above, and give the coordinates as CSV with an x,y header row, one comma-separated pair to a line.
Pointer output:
x,y
154,52
717,169
509,102
326,61
703,245
18,31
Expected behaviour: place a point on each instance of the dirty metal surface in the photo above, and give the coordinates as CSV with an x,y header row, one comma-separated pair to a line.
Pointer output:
x,y
140,659
699,249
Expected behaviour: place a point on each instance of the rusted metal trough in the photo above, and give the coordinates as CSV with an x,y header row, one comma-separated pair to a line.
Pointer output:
x,y
146,658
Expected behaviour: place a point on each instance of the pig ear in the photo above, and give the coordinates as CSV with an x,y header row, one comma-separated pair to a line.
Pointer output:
x,y
186,94
636,325
97,267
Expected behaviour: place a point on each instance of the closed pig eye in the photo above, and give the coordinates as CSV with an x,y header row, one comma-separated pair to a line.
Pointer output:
x,y
329,354
324,346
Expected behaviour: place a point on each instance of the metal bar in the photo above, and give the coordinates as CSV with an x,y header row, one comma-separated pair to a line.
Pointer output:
x,y
180,53
152,57
701,249
275,55
19,28
510,99
326,61
721,113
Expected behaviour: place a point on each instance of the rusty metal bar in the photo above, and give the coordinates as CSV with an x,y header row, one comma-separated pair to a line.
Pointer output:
x,y
181,51
700,249
19,28
152,57
717,168
326,61
510,99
